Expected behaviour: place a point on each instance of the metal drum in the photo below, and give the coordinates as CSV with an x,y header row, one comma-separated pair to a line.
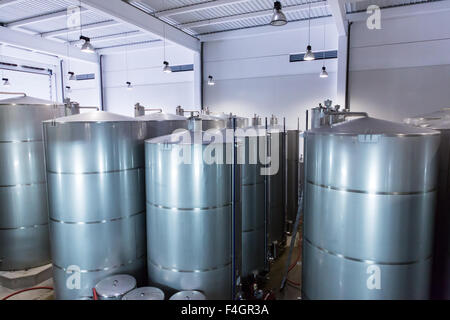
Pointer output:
x,y
369,211
146,293
189,215
162,124
188,295
292,176
276,181
24,242
441,265
253,201
96,184
115,287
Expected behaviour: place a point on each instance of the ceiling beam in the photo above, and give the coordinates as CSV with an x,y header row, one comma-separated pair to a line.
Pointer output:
x,y
4,3
195,7
264,30
126,13
26,41
38,19
337,8
132,47
126,35
93,26
261,13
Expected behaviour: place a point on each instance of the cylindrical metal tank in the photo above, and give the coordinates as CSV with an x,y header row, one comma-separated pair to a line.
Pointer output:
x,y
24,242
189,214
441,265
241,122
96,189
115,287
212,122
369,210
276,182
292,175
253,201
162,124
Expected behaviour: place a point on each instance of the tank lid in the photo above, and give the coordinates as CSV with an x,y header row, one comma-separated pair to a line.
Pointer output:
x,y
28,101
372,126
188,295
439,120
145,293
115,286
186,137
94,116
161,117
207,117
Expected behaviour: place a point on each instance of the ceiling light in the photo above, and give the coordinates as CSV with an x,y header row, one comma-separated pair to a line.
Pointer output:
x,y
211,81
324,73
68,89
72,76
6,82
167,68
309,55
278,18
87,46
129,85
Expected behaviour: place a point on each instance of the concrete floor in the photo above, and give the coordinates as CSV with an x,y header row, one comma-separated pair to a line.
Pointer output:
x,y
275,277
30,295
276,274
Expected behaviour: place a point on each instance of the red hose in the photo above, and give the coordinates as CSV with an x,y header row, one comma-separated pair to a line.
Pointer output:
x,y
25,290
95,294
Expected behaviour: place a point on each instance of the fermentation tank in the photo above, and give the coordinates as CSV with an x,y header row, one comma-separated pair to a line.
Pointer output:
x,y
212,122
230,119
369,210
276,182
292,175
96,185
190,209
24,242
253,201
441,265
162,124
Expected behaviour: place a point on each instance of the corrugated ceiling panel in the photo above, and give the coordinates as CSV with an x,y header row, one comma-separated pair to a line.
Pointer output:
x,y
362,5
29,8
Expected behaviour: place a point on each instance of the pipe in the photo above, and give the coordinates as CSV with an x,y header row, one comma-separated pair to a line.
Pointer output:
x,y
347,81
14,93
102,95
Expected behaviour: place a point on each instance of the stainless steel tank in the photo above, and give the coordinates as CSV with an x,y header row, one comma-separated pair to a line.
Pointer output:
x,y
189,215
253,201
292,176
276,182
369,211
230,119
24,241
441,265
96,186
212,122
162,124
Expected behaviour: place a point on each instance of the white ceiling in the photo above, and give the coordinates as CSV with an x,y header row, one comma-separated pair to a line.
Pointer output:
x,y
48,18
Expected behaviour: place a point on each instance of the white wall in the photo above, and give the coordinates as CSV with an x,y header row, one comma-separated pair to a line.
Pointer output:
x,y
403,69
253,74
41,86
85,92
151,86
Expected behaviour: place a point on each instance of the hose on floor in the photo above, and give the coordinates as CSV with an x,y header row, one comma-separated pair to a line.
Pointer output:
x,y
26,290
